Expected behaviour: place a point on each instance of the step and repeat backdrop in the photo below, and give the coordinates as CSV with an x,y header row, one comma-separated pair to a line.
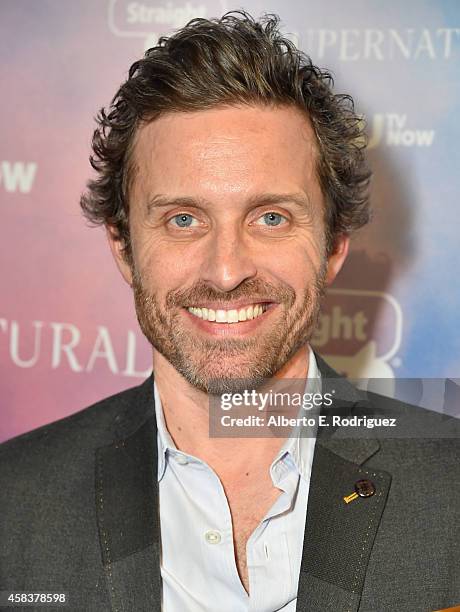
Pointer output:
x,y
68,332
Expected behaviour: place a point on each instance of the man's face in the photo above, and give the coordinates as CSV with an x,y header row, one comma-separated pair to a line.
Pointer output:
x,y
228,241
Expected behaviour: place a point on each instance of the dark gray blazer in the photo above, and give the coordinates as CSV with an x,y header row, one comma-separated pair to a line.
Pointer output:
x,y
79,513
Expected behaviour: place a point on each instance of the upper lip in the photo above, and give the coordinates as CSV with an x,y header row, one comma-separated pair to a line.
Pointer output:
x,y
244,303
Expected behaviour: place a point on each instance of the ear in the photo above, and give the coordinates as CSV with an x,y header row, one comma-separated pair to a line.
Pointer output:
x,y
337,257
116,246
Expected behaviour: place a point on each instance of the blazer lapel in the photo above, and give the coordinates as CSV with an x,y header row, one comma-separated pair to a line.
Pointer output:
x,y
338,536
127,508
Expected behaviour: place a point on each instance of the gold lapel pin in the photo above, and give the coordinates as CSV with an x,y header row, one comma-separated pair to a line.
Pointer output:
x,y
363,488
349,498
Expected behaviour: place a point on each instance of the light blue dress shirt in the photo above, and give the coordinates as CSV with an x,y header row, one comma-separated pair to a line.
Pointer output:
x,y
198,567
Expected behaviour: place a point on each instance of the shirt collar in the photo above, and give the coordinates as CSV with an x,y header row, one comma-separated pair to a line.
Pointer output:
x,y
298,446
164,440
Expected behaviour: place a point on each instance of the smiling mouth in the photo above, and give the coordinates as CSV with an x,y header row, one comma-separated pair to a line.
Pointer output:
x,y
231,315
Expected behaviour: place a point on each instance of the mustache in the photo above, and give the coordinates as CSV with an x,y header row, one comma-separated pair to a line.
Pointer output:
x,y
254,289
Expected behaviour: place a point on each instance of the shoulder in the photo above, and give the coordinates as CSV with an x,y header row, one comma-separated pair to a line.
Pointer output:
x,y
414,442
408,436
47,489
70,439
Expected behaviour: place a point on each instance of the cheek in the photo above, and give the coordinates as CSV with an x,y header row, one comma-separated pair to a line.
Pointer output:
x,y
295,267
298,262
296,274
314,251
165,266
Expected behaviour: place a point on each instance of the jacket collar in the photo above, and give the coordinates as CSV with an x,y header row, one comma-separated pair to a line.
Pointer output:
x,y
347,399
127,506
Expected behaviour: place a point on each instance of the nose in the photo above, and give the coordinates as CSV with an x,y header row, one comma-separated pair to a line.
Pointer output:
x,y
228,260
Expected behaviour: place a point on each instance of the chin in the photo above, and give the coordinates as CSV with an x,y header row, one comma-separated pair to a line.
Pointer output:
x,y
226,380
218,386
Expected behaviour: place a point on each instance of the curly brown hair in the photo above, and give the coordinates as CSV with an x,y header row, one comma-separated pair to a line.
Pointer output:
x,y
233,60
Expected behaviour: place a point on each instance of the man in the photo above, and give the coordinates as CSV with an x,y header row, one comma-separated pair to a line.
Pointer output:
x,y
229,180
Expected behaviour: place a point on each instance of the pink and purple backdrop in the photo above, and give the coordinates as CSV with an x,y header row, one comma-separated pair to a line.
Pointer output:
x,y
68,333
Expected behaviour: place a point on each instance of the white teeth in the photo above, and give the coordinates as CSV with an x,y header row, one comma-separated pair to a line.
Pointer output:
x,y
228,316
232,316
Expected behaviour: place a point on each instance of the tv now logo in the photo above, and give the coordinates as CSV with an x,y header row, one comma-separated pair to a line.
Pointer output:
x,y
390,129
17,176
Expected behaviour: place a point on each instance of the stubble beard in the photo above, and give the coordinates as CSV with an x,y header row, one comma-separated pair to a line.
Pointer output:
x,y
229,365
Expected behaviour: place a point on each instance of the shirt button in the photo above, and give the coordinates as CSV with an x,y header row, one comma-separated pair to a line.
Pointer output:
x,y
181,459
212,537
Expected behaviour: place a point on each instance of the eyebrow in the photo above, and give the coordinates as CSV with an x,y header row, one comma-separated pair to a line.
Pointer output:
x,y
300,200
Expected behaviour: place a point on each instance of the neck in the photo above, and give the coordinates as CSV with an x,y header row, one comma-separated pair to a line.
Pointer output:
x,y
186,413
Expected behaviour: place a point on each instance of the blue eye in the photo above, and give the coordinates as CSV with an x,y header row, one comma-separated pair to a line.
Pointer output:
x,y
183,220
273,219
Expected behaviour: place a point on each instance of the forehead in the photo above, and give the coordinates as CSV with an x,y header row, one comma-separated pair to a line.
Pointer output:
x,y
226,150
